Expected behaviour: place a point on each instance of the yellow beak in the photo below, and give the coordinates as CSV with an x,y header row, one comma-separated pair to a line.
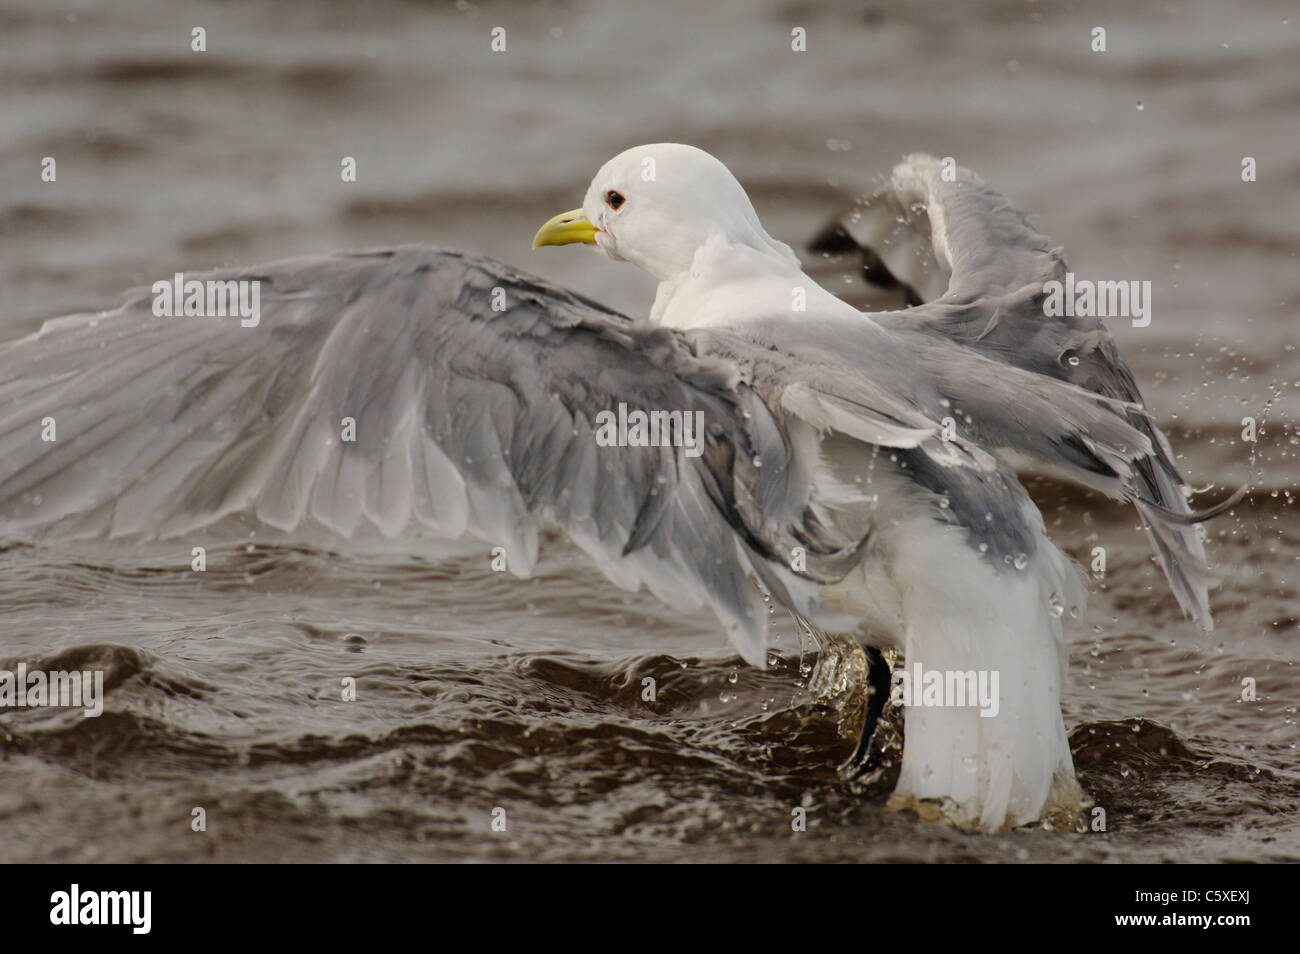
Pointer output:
x,y
565,229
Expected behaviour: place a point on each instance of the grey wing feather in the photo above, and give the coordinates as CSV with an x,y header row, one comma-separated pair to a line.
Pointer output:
x,y
975,268
467,420
892,389
938,230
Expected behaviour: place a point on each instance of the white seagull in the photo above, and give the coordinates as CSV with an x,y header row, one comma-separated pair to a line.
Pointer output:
x,y
852,466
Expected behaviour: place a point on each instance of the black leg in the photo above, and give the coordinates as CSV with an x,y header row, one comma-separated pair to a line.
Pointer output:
x,y
878,684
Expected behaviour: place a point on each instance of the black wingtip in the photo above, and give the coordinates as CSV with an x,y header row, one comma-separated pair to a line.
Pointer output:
x,y
1199,516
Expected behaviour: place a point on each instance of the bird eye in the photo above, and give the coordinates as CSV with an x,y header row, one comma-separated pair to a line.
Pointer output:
x,y
614,199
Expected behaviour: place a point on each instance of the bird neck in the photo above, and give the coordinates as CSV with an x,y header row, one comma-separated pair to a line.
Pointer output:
x,y
728,283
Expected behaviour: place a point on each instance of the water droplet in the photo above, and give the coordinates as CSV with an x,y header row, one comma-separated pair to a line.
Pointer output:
x,y
733,676
1021,561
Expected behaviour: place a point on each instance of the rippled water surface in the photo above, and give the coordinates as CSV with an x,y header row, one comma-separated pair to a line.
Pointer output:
x,y
476,691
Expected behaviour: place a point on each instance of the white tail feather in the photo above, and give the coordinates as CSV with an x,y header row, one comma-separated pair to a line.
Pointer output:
x,y
961,614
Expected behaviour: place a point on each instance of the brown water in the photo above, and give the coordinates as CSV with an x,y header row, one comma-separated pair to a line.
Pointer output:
x,y
477,692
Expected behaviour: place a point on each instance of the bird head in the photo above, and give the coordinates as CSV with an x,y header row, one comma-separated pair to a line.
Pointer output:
x,y
655,206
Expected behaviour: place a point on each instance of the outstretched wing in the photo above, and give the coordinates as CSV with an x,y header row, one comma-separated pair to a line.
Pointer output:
x,y
463,419
975,269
